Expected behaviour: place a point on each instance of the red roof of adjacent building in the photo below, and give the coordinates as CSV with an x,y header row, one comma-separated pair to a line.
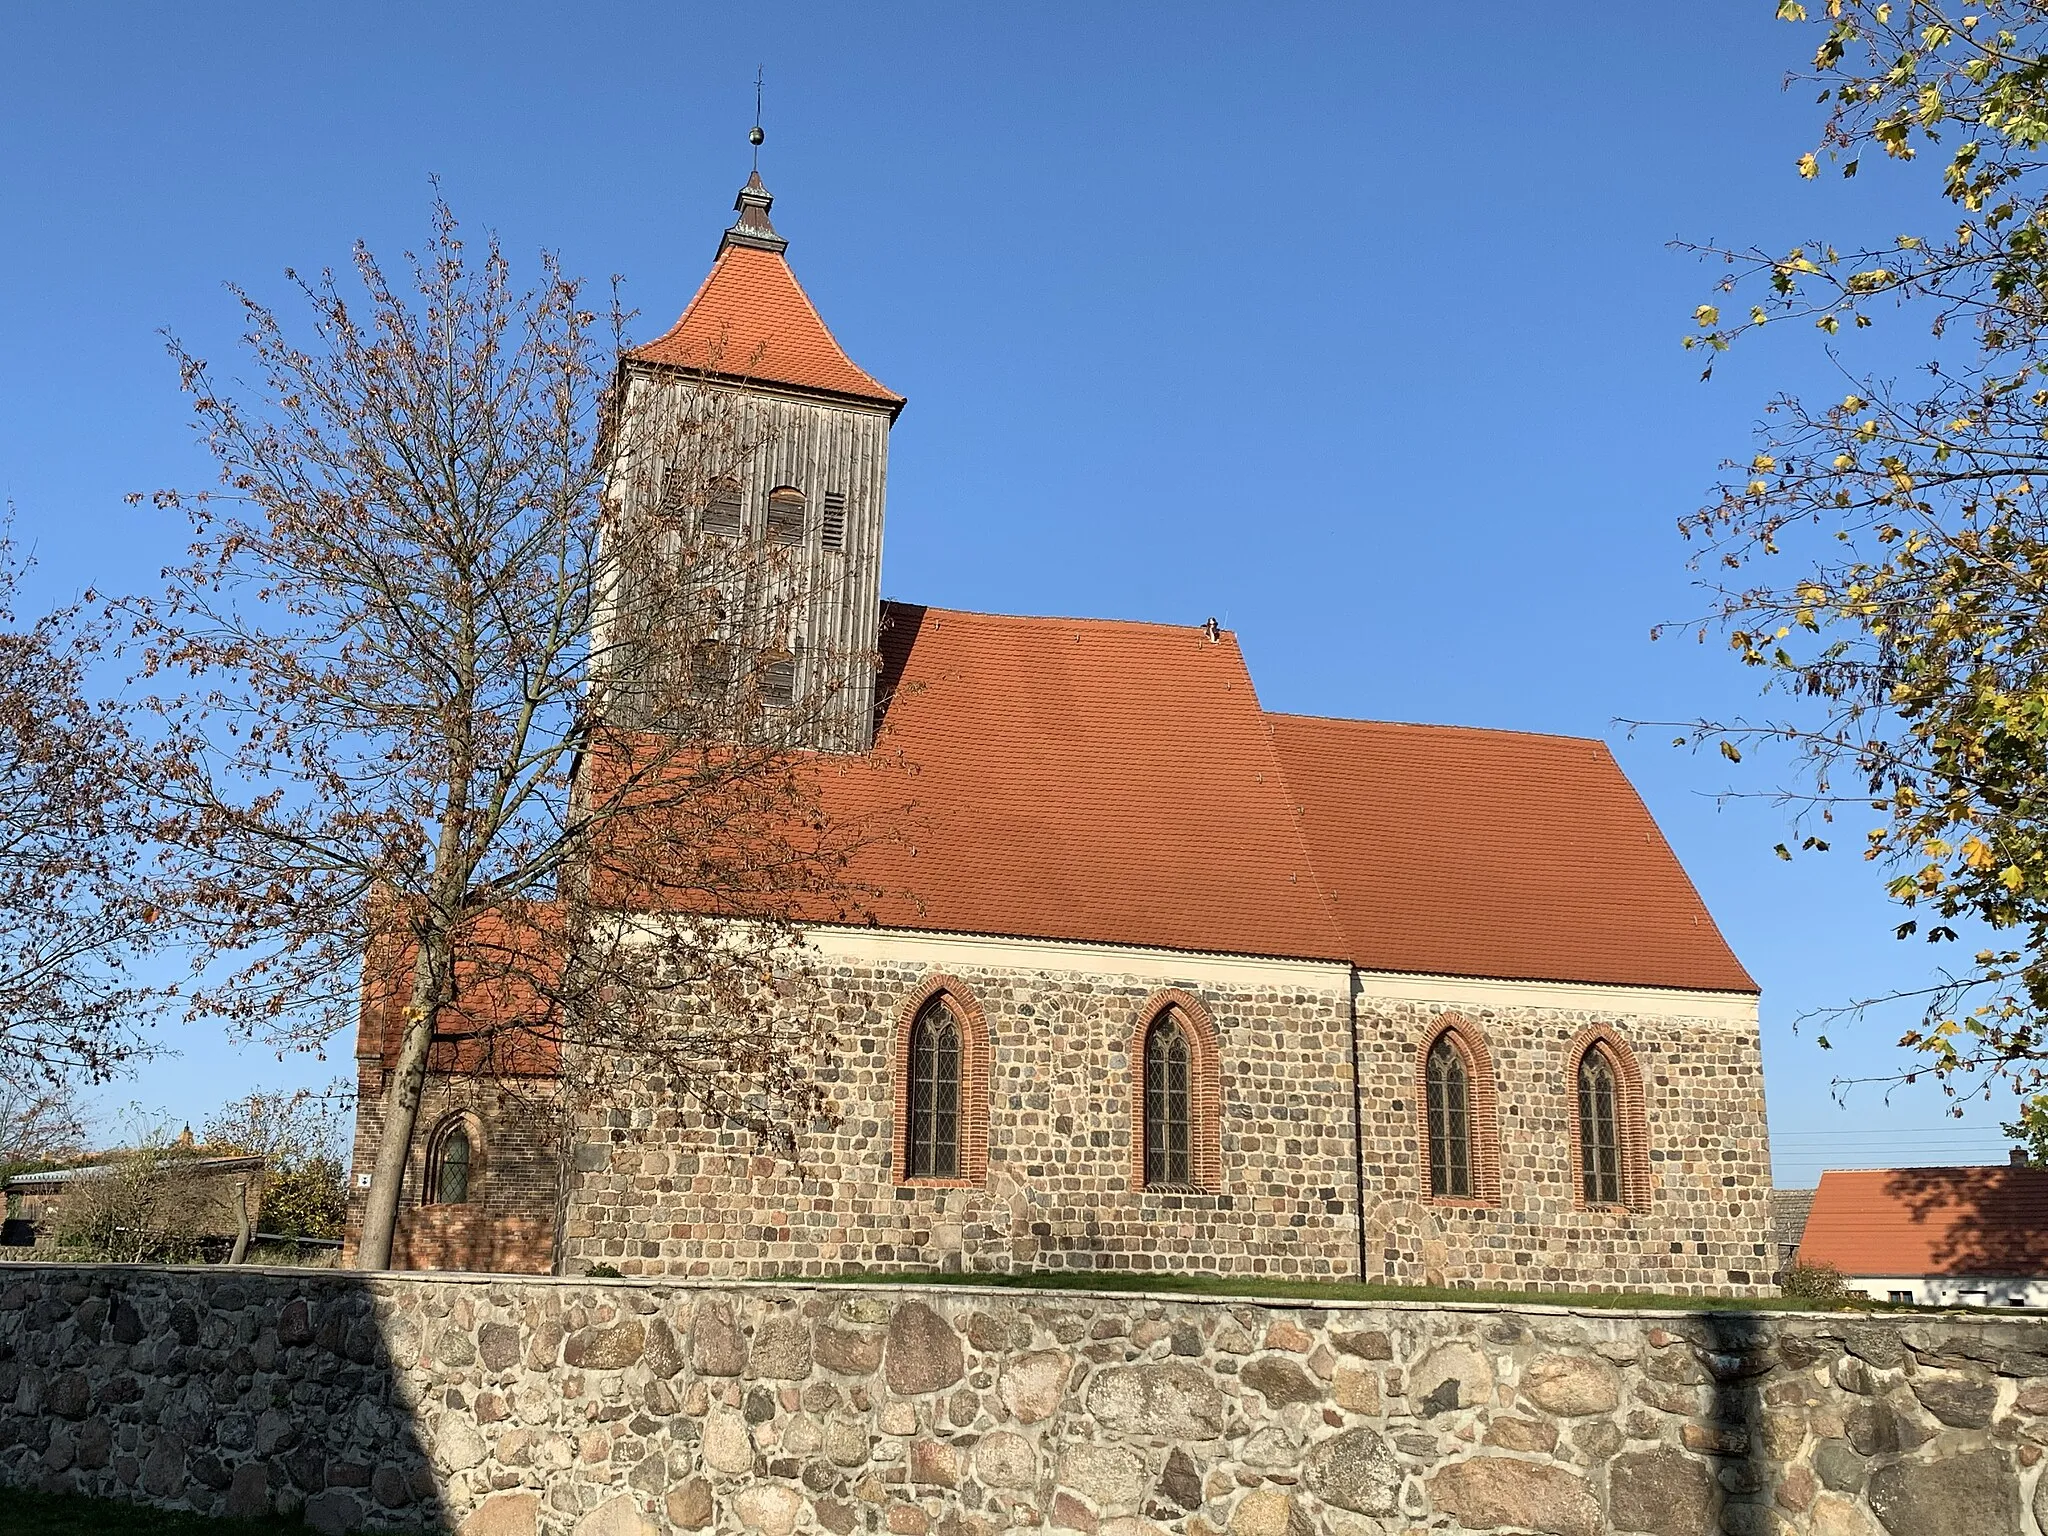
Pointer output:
x,y
1496,853
752,320
1930,1221
1118,783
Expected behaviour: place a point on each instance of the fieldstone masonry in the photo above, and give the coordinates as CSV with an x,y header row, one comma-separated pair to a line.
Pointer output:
x,y
1324,1170
511,1407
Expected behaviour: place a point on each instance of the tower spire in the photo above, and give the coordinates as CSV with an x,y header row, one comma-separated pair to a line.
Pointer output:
x,y
752,227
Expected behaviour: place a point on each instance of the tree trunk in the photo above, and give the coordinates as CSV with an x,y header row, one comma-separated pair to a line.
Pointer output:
x,y
241,1223
401,1111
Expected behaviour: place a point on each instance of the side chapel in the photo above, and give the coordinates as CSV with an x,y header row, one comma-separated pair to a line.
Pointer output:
x,y
1169,982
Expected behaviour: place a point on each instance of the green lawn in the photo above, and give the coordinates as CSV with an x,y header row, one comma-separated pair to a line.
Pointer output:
x,y
1345,1290
23,1513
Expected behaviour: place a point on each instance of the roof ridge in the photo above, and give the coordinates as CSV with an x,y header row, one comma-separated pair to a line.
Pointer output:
x,y
1438,725
1058,618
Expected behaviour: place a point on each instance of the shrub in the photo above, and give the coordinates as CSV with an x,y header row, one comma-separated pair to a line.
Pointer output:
x,y
1811,1281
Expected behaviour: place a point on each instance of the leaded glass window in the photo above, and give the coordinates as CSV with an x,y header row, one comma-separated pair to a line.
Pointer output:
x,y
448,1167
1450,1123
1169,1134
1599,1130
935,1050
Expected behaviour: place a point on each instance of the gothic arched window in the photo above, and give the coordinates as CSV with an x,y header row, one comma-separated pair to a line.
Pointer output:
x,y
1600,1151
1169,1105
449,1154
1450,1122
933,1145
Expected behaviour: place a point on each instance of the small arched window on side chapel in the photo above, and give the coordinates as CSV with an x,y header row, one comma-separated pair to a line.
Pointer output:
x,y
1610,1132
450,1155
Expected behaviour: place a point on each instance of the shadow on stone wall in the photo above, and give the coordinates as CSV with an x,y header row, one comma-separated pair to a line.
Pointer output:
x,y
226,1392
506,1406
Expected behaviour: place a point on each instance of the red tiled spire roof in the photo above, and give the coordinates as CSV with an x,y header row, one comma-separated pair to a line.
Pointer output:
x,y
1463,852
752,320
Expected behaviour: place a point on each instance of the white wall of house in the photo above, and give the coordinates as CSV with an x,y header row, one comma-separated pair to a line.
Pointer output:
x,y
1954,1290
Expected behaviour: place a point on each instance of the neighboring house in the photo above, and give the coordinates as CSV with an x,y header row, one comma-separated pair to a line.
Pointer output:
x,y
1165,980
1789,1208
220,1190
1935,1236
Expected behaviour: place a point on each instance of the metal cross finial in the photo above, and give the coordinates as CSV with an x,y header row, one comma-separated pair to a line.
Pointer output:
x,y
754,134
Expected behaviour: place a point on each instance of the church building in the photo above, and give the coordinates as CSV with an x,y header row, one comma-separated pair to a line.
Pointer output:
x,y
1165,981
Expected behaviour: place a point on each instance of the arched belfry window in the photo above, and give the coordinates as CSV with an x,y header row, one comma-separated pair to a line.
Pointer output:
x,y
935,1093
1450,1123
451,1155
1455,1108
785,516
1599,1130
1169,1104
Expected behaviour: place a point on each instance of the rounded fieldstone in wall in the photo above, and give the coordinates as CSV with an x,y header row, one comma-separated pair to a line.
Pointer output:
x,y
617,1516
1491,1491
1280,1381
1005,1459
1108,1476
782,1349
1169,1401
1031,1385
1571,1386
716,1348
503,1514
1453,1375
1356,1471
1974,1492
1958,1401
922,1353
606,1349
1662,1492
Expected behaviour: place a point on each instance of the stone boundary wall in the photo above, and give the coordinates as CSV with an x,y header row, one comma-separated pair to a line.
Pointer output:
x,y
501,1406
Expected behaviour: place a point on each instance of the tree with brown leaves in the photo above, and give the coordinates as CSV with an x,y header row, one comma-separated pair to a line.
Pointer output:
x,y
455,677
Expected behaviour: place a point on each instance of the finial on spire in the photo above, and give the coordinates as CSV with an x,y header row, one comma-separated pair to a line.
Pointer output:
x,y
754,134
752,227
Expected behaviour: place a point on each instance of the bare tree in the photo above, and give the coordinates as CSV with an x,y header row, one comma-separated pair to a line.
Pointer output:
x,y
457,673
71,916
40,1124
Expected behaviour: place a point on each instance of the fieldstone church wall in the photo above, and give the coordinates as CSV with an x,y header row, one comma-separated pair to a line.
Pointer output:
x,y
510,1407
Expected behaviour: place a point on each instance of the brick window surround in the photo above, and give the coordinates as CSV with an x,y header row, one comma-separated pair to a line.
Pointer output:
x,y
1482,1104
1631,1125
1205,1087
430,1172
974,1070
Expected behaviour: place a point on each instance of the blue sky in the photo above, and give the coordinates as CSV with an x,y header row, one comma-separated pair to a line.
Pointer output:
x,y
1355,326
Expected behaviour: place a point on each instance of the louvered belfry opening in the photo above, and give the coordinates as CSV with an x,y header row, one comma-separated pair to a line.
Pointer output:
x,y
785,516
935,1056
724,515
1169,1110
1450,1123
832,521
778,683
1599,1130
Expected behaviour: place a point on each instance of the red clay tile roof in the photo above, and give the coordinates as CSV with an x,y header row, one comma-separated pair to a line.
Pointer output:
x,y
1492,853
1930,1221
752,320
1084,780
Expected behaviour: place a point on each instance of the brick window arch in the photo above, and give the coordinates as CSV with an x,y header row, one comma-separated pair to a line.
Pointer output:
x,y
1610,1149
455,1159
941,1087
1176,1089
1457,1114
